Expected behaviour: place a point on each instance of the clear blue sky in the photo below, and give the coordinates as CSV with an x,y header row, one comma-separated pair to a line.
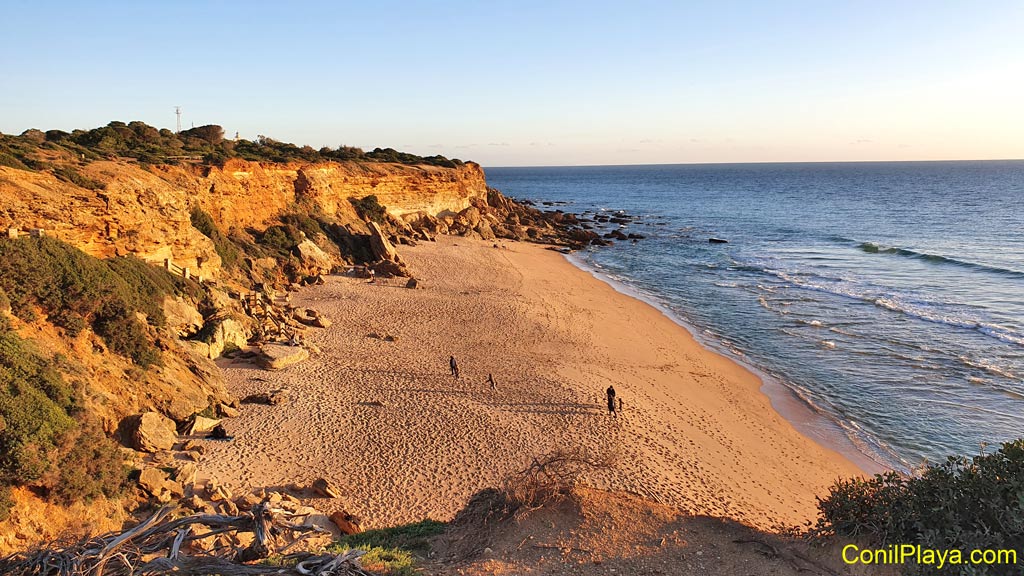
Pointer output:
x,y
531,83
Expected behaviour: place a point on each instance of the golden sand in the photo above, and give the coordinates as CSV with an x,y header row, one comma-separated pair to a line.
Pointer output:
x,y
387,424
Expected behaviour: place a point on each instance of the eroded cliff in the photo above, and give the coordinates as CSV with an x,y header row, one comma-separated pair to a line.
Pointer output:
x,y
145,211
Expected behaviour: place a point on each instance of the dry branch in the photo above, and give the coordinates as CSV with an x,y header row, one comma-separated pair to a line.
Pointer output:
x,y
155,547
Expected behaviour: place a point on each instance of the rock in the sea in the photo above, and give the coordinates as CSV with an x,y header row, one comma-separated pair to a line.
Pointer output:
x,y
347,523
325,488
150,432
279,356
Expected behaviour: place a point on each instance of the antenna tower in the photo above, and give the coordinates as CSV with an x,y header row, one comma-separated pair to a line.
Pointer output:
x,y
177,111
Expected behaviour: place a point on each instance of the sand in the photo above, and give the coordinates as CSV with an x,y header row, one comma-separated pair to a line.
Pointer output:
x,y
404,440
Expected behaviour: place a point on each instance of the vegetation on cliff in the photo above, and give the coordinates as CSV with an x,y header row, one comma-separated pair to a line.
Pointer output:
x,y
74,290
47,440
33,149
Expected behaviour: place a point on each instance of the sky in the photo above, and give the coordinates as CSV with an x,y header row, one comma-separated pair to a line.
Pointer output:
x,y
536,83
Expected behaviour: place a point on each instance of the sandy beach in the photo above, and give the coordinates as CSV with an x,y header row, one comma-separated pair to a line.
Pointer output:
x,y
404,440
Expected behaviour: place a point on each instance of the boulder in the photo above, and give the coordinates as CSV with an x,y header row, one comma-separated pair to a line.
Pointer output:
x,y
150,432
325,488
226,331
182,317
310,317
201,425
156,483
272,398
483,228
152,480
185,474
412,283
226,411
313,258
380,246
387,269
347,523
470,216
280,356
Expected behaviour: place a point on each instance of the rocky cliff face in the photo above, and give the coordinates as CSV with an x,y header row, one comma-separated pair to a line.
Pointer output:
x,y
146,212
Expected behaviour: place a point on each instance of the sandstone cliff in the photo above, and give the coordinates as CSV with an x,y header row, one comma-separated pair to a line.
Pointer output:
x,y
146,212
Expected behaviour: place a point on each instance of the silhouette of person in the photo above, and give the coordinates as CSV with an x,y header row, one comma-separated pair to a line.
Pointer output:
x,y
611,401
454,366
490,380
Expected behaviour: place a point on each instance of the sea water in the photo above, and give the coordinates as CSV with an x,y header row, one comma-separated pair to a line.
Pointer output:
x,y
888,297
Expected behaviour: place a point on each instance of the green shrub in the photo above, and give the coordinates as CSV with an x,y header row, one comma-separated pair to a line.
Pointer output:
x,y
41,443
369,209
280,239
963,503
69,174
90,466
303,223
226,249
77,290
5,502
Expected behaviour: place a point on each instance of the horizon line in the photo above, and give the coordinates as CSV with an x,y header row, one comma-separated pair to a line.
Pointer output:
x,y
760,162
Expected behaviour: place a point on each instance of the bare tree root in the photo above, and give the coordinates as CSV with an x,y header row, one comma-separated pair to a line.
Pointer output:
x,y
154,547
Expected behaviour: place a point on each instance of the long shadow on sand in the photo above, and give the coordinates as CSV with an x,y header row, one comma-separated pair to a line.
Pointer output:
x,y
561,408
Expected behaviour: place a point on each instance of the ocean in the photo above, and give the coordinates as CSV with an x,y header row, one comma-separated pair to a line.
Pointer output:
x,y
888,297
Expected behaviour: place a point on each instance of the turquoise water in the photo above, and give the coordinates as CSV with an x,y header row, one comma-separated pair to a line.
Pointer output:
x,y
888,296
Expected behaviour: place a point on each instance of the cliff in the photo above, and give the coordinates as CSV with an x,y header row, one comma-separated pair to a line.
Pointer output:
x,y
145,212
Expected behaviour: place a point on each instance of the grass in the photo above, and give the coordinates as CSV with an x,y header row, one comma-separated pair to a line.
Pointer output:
x,y
392,551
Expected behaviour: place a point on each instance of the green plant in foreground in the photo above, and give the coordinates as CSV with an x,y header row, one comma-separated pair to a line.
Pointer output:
x,y
962,503
391,550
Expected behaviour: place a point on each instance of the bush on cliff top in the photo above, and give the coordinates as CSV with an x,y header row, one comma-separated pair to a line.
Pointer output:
x,y
76,290
962,503
204,144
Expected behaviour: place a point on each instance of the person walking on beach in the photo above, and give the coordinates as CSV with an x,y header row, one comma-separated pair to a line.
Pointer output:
x,y
454,367
490,380
611,401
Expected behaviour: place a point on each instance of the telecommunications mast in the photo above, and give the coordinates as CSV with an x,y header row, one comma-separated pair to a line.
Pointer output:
x,y
177,111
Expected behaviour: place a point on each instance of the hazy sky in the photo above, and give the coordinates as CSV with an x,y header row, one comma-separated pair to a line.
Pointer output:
x,y
531,83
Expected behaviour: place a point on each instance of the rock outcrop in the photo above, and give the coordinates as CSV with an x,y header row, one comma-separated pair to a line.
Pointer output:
x,y
281,356
147,212
150,432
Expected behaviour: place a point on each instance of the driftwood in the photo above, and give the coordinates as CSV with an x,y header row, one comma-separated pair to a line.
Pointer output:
x,y
154,547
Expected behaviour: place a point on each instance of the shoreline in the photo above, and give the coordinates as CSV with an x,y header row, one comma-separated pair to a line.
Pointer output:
x,y
403,440
807,419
